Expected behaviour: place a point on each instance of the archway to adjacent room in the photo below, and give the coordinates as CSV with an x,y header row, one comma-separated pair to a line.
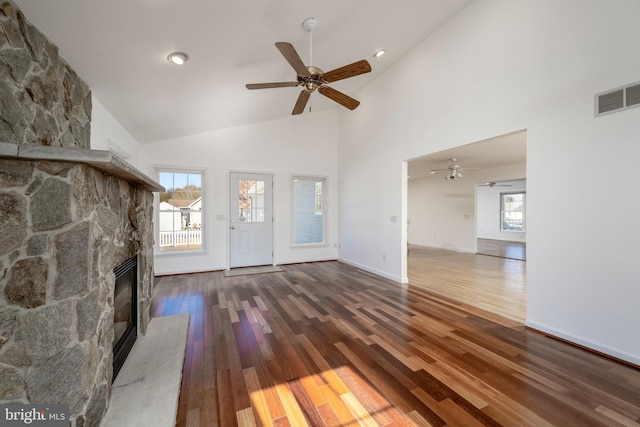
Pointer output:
x,y
443,228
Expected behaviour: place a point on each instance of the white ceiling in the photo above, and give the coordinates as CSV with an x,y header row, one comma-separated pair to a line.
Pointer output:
x,y
491,153
119,47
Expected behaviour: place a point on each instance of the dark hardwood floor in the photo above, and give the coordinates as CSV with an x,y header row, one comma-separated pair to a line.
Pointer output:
x,y
326,344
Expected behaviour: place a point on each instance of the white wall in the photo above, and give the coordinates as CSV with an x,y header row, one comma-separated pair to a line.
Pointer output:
x,y
488,205
108,134
302,145
499,67
442,214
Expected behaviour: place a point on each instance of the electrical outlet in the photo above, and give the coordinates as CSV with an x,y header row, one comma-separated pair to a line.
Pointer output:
x,y
384,257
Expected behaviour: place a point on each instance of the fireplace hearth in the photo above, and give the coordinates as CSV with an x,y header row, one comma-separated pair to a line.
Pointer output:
x,y
125,302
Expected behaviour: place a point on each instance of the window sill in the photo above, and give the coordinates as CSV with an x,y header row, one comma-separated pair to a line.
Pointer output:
x,y
179,252
308,245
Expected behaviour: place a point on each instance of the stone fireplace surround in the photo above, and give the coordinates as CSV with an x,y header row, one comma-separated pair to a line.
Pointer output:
x,y
67,222
68,216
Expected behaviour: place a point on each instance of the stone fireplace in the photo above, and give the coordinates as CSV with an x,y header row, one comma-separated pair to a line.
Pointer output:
x,y
65,227
68,216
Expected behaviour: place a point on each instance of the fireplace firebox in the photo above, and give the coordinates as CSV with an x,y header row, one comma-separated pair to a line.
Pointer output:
x,y
125,311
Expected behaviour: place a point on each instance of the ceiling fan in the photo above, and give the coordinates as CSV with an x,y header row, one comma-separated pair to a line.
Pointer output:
x,y
493,184
454,171
311,77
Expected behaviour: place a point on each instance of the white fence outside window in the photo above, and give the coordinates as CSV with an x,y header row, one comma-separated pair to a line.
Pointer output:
x,y
174,238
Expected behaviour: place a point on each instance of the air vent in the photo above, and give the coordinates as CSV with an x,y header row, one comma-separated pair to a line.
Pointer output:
x,y
611,101
633,95
618,99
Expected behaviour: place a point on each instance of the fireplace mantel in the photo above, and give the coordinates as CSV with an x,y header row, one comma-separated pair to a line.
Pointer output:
x,y
103,160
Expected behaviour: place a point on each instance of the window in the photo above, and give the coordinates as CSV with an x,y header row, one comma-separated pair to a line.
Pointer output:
x,y
308,210
180,210
512,211
250,201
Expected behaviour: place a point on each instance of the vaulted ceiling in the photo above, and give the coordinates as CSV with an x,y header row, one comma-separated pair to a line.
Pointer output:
x,y
120,49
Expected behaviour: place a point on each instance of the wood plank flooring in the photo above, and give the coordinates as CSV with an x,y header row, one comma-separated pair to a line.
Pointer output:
x,y
495,284
502,248
326,344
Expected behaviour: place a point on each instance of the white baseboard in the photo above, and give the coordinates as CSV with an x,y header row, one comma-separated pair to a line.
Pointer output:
x,y
445,248
188,271
613,352
302,261
374,271
222,268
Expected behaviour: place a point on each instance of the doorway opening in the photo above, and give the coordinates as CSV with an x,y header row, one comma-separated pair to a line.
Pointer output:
x,y
444,230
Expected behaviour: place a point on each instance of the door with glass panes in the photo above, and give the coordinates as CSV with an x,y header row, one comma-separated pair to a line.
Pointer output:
x,y
250,219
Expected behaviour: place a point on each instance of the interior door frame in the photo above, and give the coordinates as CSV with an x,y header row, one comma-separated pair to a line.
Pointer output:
x,y
228,212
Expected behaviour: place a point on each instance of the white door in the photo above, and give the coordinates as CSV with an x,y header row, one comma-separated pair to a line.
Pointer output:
x,y
250,219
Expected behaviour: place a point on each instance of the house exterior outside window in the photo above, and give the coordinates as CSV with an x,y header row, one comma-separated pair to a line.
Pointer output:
x,y
512,211
180,210
308,210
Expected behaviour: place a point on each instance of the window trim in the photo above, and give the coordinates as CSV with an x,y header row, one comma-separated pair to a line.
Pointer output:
x,y
292,210
157,169
524,210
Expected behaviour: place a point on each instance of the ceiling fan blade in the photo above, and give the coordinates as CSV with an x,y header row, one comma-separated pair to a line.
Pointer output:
x,y
270,85
303,98
347,71
339,97
287,50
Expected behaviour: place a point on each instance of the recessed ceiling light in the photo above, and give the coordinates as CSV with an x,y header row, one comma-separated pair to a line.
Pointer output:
x,y
178,58
379,53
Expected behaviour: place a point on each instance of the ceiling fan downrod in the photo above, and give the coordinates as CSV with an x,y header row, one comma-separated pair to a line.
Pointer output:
x,y
309,25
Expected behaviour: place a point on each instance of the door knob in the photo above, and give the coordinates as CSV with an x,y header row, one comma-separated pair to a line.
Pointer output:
x,y
233,227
